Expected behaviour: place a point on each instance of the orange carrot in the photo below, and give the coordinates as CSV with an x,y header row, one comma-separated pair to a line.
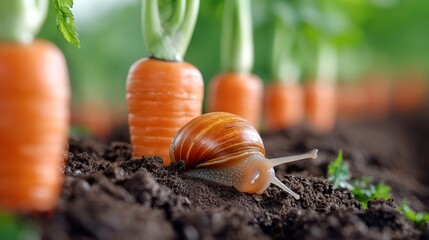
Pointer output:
x,y
378,96
351,103
321,95
238,93
34,96
162,97
284,97
321,105
163,92
284,106
409,93
34,99
236,90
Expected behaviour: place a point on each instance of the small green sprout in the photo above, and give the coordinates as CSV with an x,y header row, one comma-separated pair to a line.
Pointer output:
x,y
339,176
338,173
363,191
418,218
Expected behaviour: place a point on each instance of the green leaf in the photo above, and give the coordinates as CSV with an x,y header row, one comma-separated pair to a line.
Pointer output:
x,y
339,173
364,191
65,21
419,218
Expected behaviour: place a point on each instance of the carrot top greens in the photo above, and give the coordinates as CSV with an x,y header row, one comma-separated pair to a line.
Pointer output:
x,y
65,21
21,20
237,38
284,66
168,26
284,54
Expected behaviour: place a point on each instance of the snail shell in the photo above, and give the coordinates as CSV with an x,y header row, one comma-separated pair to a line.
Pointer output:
x,y
226,149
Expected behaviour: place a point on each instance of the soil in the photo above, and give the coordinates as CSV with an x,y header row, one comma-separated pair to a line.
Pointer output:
x,y
106,195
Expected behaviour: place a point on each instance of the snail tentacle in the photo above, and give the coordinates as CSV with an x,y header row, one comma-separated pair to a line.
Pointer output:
x,y
279,184
278,161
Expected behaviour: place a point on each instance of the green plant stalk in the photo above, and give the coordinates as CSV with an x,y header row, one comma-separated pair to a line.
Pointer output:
x,y
283,67
168,26
327,62
237,37
20,20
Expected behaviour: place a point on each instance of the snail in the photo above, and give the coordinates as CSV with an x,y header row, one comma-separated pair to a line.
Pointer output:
x,y
226,149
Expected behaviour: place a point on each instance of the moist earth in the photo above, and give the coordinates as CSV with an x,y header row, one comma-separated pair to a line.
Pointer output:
x,y
106,195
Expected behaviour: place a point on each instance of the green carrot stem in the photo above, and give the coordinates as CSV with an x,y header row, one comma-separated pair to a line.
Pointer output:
x,y
237,38
20,20
168,26
284,67
327,62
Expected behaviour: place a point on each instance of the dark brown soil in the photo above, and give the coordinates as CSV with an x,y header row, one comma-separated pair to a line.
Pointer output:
x,y
106,195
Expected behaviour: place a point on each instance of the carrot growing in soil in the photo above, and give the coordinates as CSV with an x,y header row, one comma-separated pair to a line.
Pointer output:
x,y
351,102
409,92
378,94
236,90
284,96
353,62
320,95
163,92
34,97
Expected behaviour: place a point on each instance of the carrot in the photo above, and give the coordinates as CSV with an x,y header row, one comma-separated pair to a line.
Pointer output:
x,y
320,95
34,101
284,106
351,103
236,90
284,97
238,93
163,92
34,98
162,97
378,95
320,105
409,93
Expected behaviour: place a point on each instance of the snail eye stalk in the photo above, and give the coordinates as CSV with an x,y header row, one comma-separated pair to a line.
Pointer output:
x,y
278,161
279,184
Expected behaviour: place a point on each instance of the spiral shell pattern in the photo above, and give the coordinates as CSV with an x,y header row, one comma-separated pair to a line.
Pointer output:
x,y
215,140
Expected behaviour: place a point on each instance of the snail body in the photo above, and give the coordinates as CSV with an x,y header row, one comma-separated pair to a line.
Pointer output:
x,y
226,149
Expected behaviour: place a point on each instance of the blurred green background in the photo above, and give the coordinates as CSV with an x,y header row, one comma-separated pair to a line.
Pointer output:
x,y
372,35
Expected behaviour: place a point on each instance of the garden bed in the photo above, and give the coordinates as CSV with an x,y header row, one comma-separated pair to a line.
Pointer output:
x,y
108,196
